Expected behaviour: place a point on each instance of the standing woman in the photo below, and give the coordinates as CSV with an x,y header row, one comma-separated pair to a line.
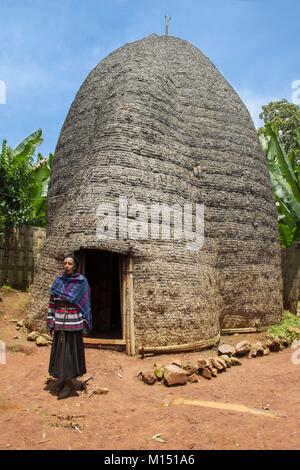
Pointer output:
x,y
69,317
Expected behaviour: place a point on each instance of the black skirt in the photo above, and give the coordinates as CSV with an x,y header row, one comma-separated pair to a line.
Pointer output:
x,y
67,360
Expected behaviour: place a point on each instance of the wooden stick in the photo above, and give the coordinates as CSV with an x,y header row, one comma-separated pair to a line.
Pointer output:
x,y
243,330
181,347
131,310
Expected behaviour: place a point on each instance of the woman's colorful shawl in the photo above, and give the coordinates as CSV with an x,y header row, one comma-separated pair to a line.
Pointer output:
x,y
75,288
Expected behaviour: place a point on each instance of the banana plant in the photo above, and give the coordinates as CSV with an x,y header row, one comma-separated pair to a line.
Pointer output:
x,y
284,172
38,195
24,183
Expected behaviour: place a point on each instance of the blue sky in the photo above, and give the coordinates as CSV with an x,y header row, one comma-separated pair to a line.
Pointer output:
x,y
47,48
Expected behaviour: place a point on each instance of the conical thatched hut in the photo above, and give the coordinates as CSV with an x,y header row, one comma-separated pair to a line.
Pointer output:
x,y
156,123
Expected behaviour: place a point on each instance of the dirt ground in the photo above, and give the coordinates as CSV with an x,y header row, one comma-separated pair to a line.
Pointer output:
x,y
132,412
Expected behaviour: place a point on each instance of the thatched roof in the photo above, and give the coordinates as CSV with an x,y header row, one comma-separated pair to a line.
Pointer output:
x,y
157,122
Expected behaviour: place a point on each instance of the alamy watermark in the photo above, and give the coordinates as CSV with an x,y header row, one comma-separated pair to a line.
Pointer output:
x,y
296,93
2,352
130,220
2,92
296,354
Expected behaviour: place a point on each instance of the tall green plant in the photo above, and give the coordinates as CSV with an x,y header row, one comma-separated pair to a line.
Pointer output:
x,y
23,183
285,179
38,195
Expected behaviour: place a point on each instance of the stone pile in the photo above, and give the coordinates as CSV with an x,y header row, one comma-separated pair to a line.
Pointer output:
x,y
178,373
41,339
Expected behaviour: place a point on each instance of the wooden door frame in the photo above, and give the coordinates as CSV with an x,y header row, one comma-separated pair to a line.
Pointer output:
x,y
126,305
127,311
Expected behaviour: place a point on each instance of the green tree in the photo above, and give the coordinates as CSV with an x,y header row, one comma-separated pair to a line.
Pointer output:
x,y
23,183
284,118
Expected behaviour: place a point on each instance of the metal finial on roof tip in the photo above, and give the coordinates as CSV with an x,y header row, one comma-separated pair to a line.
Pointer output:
x,y
167,23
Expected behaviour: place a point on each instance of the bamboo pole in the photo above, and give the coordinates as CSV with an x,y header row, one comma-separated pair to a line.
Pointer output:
x,y
123,297
126,305
229,331
181,347
131,311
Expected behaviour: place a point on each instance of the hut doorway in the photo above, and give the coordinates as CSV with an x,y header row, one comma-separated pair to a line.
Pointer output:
x,y
110,278
102,271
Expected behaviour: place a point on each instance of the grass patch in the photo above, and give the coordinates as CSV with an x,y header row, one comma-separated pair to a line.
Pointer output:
x,y
288,328
19,348
8,289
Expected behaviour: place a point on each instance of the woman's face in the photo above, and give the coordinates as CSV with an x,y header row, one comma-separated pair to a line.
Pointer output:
x,y
69,266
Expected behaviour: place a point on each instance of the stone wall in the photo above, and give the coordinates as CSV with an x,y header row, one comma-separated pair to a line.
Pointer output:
x,y
19,252
291,278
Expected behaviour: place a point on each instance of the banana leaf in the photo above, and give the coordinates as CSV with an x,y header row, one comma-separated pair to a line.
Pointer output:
x,y
277,153
284,174
282,191
28,145
286,235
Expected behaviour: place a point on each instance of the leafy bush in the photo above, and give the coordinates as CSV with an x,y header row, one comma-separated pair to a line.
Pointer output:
x,y
23,183
7,288
288,328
